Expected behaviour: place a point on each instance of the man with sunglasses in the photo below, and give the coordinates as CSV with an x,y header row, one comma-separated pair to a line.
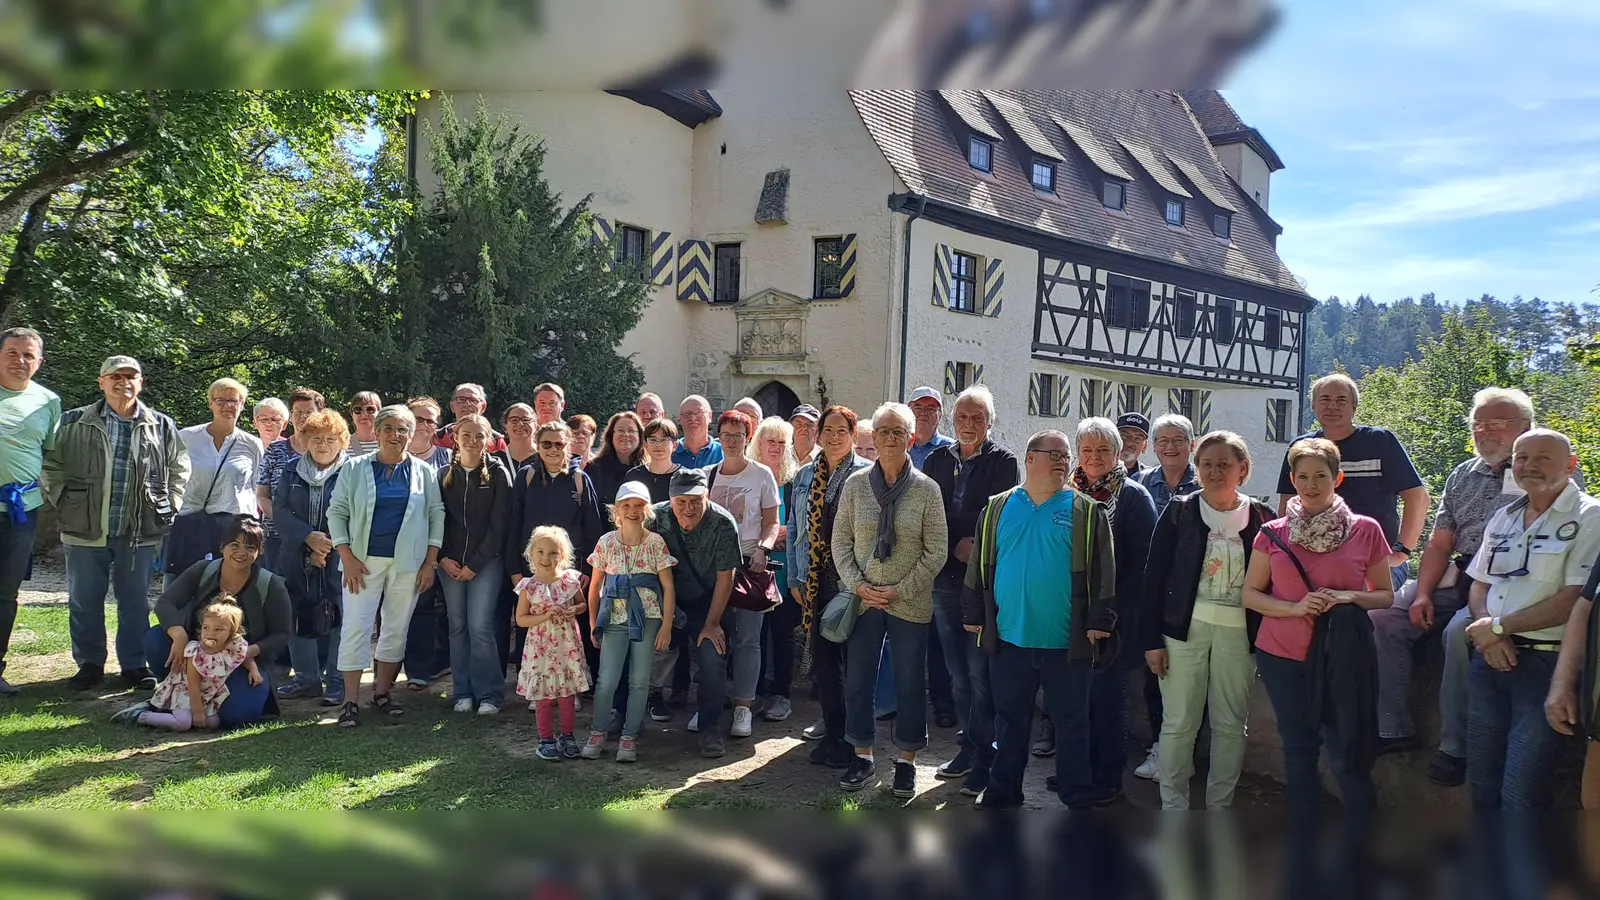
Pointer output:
x,y
1536,556
115,478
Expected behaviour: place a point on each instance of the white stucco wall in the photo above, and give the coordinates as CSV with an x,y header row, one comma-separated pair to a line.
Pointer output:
x,y
1249,170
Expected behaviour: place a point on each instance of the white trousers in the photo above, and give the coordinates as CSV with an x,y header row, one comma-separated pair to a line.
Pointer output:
x,y
390,589
1213,668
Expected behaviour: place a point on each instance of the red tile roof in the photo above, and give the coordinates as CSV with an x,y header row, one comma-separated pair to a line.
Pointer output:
x,y
914,134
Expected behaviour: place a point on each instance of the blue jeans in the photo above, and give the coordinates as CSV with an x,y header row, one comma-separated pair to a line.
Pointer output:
x,y
475,670
1511,749
713,678
742,627
1286,684
126,568
16,551
969,678
615,649
1017,674
316,660
884,701
246,702
1108,715
1398,575
908,648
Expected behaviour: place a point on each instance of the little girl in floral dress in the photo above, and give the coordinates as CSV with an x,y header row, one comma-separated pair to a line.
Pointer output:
x,y
193,692
554,671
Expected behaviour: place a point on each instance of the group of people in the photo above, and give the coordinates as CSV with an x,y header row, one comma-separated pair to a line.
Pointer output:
x,y
893,567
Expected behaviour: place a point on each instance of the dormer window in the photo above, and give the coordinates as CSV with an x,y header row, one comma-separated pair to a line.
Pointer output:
x,y
1044,175
1113,194
980,154
1221,225
1175,213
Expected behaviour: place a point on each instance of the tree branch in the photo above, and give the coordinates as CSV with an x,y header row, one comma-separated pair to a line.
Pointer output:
x,y
59,174
16,109
22,254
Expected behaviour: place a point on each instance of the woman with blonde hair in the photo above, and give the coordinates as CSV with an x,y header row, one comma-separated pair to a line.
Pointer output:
x,y
476,491
773,447
223,462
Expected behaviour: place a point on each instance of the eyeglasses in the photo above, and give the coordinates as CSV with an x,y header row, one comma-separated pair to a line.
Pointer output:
x,y
430,422
1495,424
1168,443
123,376
227,401
893,434
1495,563
464,398
519,420
552,445
734,436
1055,455
358,410
394,429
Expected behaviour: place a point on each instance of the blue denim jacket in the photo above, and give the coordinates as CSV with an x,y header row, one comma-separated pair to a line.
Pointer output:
x,y
799,516
627,587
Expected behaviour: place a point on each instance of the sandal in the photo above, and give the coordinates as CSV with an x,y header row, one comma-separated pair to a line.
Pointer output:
x,y
385,704
350,716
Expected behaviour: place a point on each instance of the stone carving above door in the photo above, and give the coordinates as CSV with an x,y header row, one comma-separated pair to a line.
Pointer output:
x,y
772,334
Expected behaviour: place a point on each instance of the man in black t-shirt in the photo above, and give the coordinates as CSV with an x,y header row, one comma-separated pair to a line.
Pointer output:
x,y
1376,472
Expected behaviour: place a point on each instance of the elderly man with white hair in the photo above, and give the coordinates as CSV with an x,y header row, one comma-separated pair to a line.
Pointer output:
x,y
1536,556
1475,490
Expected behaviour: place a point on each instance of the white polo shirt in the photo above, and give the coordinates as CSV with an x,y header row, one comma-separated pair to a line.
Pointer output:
x,y
1524,566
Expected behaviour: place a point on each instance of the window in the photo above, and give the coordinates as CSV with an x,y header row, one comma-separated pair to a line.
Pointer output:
x,y
725,287
1094,398
829,268
1222,330
1118,312
1047,394
1175,213
1134,398
631,252
1278,421
1139,292
1258,198
966,375
1044,175
1185,405
963,282
1113,194
1188,314
980,154
1274,336
1221,225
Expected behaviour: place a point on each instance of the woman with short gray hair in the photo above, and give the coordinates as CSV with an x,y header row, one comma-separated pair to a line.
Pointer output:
x,y
270,416
386,520
1173,437
889,543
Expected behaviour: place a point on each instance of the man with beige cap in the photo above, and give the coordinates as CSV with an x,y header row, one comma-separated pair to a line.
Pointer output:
x,y
115,478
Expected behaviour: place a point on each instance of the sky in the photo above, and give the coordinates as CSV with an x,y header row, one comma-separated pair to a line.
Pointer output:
x,y
1450,146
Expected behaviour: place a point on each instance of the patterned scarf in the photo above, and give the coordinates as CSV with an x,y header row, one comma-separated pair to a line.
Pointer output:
x,y
1106,489
1324,532
820,555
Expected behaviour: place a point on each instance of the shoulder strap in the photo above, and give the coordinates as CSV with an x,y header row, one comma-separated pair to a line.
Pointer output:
x,y
711,477
1284,546
577,484
209,578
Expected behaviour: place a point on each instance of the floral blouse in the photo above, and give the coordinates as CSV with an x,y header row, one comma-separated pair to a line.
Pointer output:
x,y
617,558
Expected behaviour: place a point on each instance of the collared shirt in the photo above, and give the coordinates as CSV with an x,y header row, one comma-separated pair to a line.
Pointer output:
x,y
709,454
1033,571
222,479
1473,492
919,452
28,422
1154,480
120,432
1525,565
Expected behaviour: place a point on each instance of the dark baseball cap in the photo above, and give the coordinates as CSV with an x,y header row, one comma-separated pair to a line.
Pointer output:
x,y
687,483
1133,420
807,410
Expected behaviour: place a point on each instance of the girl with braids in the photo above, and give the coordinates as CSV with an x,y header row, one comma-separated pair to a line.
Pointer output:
x,y
812,577
476,490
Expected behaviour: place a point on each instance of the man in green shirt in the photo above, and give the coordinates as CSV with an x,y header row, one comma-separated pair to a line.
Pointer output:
x,y
29,414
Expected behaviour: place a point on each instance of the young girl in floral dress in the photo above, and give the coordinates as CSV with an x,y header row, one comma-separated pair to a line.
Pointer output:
x,y
193,692
554,671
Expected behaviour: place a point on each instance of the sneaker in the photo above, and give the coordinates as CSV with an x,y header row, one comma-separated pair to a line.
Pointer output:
x,y
778,710
1046,744
1447,770
905,779
130,716
332,699
859,773
1107,797
1387,745
990,801
694,724
712,746
833,754
299,690
976,784
626,753
85,678
956,768
944,718
815,732
887,716
548,751
593,746
487,709
569,746
464,705
743,718
1150,769
657,708
139,679
7,689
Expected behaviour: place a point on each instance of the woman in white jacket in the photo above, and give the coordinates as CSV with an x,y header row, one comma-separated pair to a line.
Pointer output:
x,y
387,524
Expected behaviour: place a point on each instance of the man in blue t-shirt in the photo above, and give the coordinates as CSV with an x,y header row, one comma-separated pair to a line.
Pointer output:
x,y
1376,472
697,449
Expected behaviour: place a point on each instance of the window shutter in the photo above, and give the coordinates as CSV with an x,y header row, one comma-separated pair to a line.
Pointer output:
x,y
1146,402
977,375
1085,397
1033,395
1272,422
941,276
1126,398
1175,400
1063,395
950,379
1105,397
661,257
600,233
847,265
694,271
1203,426
994,282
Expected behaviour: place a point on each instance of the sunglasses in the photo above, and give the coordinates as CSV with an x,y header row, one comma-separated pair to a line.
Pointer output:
x,y
363,409
552,445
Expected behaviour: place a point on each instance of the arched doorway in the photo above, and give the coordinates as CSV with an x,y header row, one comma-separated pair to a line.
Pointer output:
x,y
776,399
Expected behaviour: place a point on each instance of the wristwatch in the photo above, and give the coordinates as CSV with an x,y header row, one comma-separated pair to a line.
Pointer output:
x,y
1495,626
1401,548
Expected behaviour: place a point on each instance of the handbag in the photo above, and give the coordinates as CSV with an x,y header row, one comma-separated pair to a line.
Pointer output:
x,y
198,535
754,591
839,616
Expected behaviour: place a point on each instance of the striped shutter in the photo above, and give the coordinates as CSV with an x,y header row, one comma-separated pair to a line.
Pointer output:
x,y
661,257
1147,402
977,375
1085,397
1034,403
1202,424
1063,395
600,233
994,282
1127,398
694,271
1272,422
941,276
847,265
1175,401
950,379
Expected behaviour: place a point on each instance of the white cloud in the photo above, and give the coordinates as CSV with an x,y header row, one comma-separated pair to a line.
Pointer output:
x,y
1468,197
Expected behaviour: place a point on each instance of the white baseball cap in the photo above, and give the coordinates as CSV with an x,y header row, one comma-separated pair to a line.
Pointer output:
x,y
925,393
633,490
